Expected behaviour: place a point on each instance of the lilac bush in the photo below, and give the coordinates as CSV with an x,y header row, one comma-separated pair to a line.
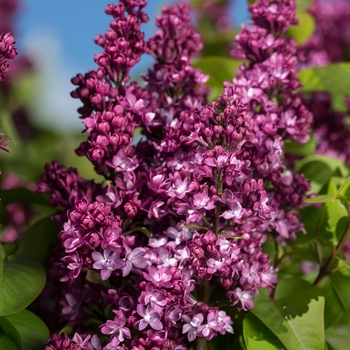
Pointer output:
x,y
221,220
187,208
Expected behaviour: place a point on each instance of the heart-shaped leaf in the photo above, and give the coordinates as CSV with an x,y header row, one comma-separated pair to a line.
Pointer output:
x,y
292,313
257,336
23,280
32,330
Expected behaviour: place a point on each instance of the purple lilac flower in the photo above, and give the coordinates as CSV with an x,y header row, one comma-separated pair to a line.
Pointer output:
x,y
107,263
188,206
7,52
190,326
116,328
149,317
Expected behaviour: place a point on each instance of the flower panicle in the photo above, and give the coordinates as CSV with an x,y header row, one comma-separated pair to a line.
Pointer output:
x,y
8,51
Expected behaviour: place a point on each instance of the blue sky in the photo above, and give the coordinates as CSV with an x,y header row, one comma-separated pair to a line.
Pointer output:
x,y
59,35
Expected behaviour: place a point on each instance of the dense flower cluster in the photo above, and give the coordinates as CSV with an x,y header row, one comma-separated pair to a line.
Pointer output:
x,y
328,45
267,84
186,209
7,52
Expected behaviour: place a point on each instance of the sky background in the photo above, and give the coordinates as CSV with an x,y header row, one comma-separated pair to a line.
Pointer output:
x,y
58,35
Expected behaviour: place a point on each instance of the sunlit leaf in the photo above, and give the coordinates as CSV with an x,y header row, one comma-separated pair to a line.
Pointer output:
x,y
304,150
304,30
323,198
333,78
291,315
257,336
219,69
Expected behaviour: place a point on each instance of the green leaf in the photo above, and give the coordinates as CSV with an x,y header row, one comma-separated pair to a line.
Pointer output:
x,y
257,336
11,331
6,342
291,315
304,30
333,310
313,220
333,78
336,221
319,169
32,330
3,213
344,190
22,195
323,198
304,4
9,248
343,266
2,264
95,277
339,337
38,240
219,69
304,150
340,285
23,281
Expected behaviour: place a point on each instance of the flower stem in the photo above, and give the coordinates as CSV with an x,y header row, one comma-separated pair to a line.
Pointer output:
x,y
325,270
201,342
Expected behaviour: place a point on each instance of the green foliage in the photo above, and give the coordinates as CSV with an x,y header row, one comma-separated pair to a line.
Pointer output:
x,y
219,69
291,315
340,285
38,240
319,169
6,342
22,195
32,330
259,337
333,78
303,150
304,30
22,281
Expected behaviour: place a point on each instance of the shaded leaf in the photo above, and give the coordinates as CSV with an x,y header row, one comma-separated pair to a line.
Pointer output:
x,y
38,240
338,338
23,281
32,330
6,342
95,277
11,331
257,336
22,195
319,169
340,285
333,310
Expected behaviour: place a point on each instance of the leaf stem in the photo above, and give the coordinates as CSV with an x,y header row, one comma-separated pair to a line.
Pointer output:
x,y
325,270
